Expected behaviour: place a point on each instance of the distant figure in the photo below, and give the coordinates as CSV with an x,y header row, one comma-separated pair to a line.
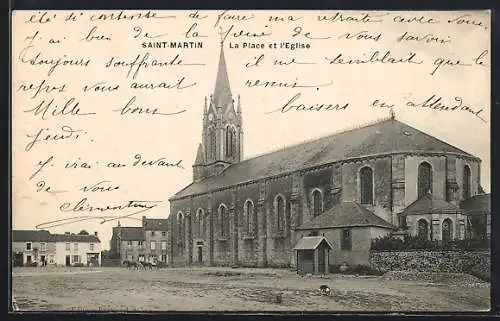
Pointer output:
x,y
324,289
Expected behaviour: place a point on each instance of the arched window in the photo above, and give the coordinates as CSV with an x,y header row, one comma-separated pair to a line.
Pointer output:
x,y
423,229
180,222
223,221
447,230
466,184
199,223
317,199
212,142
424,179
280,213
249,217
180,231
230,141
366,178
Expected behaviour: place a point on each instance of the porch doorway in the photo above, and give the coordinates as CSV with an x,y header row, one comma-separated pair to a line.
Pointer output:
x,y
200,254
321,262
68,260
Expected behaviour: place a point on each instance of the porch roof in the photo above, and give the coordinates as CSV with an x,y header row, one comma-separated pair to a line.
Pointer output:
x,y
346,214
477,205
430,204
311,243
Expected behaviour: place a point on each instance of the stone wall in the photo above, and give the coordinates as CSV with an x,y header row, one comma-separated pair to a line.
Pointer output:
x,y
472,262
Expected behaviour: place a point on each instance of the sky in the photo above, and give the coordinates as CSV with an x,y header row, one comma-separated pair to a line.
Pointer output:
x,y
109,136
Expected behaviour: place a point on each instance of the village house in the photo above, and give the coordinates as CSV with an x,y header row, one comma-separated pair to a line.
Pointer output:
x,y
146,243
41,248
351,187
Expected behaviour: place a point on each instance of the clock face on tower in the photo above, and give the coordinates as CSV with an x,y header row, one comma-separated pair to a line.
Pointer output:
x,y
230,116
210,117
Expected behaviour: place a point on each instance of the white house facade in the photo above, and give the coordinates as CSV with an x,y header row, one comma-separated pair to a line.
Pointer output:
x,y
41,248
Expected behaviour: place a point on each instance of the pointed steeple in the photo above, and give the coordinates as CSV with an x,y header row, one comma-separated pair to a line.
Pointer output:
x,y
222,91
199,156
222,132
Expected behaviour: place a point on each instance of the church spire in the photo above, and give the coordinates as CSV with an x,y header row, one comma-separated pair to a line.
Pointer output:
x,y
222,91
222,133
199,156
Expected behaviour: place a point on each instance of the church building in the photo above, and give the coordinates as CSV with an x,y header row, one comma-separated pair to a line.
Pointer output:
x,y
350,187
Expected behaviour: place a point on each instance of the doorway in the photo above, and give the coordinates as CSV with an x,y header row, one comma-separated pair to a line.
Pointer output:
x,y
321,261
18,259
200,254
68,260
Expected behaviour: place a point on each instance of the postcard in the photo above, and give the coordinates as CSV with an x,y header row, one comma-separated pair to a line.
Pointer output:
x,y
239,160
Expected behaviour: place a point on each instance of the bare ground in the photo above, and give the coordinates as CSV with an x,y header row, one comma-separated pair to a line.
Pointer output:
x,y
219,289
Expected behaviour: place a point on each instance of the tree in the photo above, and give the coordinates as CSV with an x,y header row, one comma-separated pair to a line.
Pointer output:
x,y
83,232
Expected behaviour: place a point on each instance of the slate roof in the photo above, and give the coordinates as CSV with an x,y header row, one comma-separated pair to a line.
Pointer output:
x,y
384,137
46,236
346,214
430,204
31,236
155,224
75,238
132,233
311,243
477,205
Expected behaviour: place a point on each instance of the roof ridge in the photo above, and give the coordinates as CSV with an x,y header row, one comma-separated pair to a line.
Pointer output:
x,y
317,138
186,187
344,144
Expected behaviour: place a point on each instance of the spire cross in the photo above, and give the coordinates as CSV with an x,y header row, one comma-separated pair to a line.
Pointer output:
x,y
392,114
221,34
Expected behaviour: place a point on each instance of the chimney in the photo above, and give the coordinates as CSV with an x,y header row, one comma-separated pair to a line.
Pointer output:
x,y
95,233
144,221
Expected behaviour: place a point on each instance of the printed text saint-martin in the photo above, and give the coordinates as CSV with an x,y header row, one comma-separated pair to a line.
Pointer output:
x,y
173,44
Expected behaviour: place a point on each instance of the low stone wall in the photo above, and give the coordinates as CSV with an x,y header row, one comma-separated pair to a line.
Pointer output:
x,y
476,263
107,262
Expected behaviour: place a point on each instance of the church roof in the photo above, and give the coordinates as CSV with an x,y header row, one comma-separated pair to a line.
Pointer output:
x,y
384,137
311,243
346,214
430,204
478,204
